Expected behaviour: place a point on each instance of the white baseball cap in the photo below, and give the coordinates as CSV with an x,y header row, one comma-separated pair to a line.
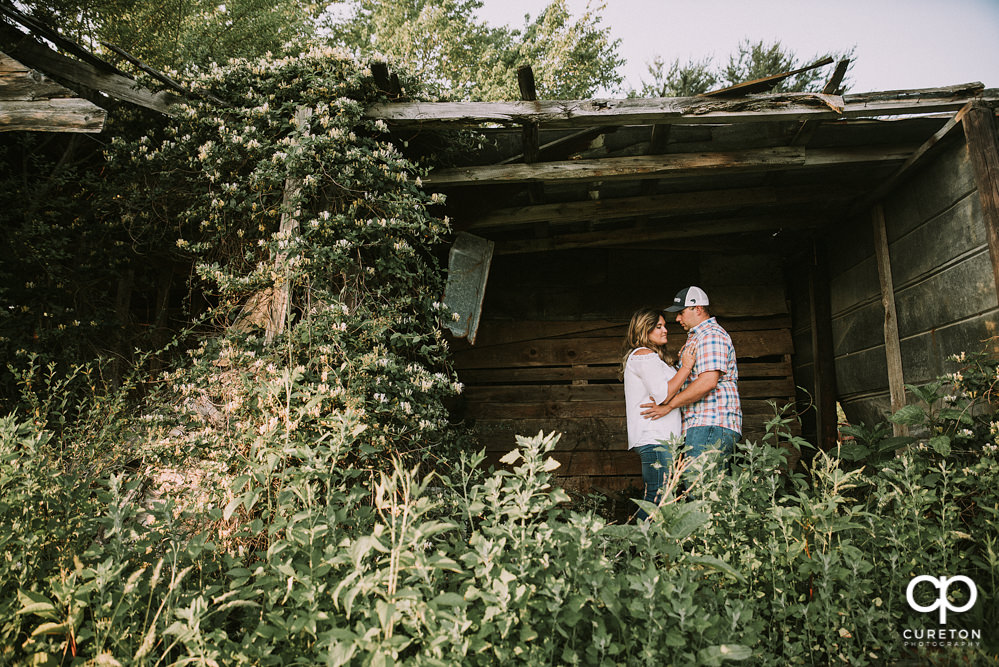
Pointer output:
x,y
687,297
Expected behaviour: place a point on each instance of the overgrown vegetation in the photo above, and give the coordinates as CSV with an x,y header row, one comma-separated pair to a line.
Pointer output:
x,y
304,500
317,559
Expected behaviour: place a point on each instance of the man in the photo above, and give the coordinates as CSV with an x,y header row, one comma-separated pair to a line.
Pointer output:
x,y
712,415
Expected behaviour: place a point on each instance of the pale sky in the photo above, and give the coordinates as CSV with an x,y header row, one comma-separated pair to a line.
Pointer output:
x,y
900,44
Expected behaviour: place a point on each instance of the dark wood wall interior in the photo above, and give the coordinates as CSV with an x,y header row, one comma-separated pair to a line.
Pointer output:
x,y
549,349
945,294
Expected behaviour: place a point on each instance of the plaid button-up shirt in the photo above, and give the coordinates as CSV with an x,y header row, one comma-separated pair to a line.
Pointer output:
x,y
721,406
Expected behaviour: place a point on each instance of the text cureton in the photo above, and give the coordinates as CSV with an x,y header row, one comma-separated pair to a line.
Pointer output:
x,y
941,633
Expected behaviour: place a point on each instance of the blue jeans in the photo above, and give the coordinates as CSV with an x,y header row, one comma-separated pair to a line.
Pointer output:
x,y
656,462
699,439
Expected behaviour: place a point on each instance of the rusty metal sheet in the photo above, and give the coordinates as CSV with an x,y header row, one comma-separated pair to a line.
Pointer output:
x,y
468,270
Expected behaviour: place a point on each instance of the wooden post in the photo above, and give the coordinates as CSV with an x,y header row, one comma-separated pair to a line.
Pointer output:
x,y
983,148
528,93
823,358
281,304
532,143
269,308
893,348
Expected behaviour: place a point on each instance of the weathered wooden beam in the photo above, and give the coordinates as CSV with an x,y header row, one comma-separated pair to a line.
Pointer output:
x,y
163,78
834,82
808,127
903,171
681,230
684,110
658,140
893,347
56,115
501,332
529,133
763,84
387,82
562,146
601,350
31,102
530,139
660,166
659,206
159,76
74,72
983,150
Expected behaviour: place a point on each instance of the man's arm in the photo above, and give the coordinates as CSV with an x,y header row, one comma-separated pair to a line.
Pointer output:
x,y
694,392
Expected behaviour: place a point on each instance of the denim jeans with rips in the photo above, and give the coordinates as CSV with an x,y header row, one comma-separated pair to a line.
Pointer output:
x,y
656,462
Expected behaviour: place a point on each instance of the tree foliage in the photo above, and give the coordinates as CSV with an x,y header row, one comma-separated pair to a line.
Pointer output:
x,y
182,34
458,56
750,61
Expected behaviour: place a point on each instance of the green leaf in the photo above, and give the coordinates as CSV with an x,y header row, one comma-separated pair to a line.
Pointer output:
x,y
450,600
50,629
717,564
960,416
716,655
689,520
341,653
941,445
650,508
34,603
895,442
909,415
231,508
851,451
928,393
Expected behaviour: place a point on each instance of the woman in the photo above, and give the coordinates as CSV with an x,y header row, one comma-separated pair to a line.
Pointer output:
x,y
647,374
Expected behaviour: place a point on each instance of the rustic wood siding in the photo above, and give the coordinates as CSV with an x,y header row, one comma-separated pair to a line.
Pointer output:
x,y
549,349
945,294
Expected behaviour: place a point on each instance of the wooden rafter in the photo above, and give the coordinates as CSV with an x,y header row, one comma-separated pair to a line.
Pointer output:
x,y
904,169
672,231
660,166
685,110
37,56
67,45
764,84
836,80
808,127
680,203
530,137
562,146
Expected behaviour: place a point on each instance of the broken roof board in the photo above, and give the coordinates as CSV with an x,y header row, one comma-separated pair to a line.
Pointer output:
x,y
29,101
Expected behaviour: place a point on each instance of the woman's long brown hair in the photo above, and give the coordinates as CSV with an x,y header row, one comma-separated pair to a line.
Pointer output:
x,y
642,323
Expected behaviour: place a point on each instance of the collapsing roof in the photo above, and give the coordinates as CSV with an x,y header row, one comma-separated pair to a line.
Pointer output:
x,y
600,173
32,96
702,182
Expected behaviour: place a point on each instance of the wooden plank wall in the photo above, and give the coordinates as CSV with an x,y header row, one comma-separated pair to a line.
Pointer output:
x,y
945,293
547,372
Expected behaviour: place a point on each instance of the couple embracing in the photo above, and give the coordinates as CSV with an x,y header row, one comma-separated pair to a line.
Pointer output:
x,y
699,401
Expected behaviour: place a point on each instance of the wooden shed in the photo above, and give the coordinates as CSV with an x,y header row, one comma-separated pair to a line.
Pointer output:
x,y
849,243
